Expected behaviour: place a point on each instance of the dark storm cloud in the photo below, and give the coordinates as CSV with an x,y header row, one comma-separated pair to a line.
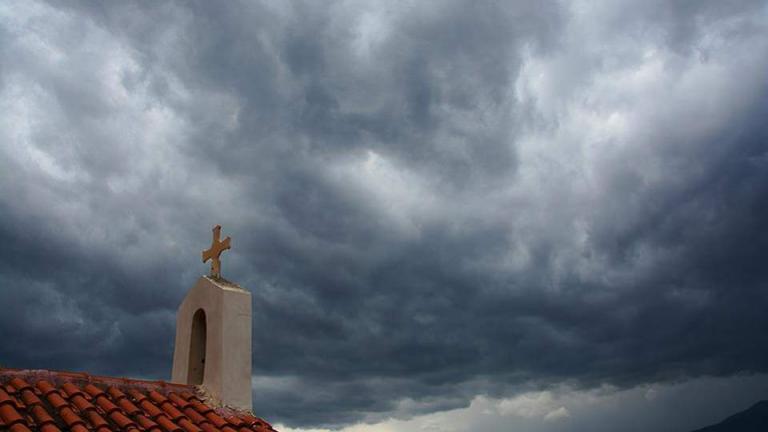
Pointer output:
x,y
428,202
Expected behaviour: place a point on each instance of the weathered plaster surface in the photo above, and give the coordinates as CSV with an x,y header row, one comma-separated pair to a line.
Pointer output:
x,y
227,371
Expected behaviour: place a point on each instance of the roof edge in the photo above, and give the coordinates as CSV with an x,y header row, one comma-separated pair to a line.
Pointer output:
x,y
84,377
160,386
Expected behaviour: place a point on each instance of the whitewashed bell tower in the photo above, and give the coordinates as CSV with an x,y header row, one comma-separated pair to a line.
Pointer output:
x,y
213,335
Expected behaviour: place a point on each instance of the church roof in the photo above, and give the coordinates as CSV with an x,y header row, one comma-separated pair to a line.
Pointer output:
x,y
49,401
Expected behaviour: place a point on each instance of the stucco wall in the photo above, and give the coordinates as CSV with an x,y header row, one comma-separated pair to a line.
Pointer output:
x,y
227,372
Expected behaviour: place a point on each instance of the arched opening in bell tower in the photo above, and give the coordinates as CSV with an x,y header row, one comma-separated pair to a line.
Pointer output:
x,y
196,371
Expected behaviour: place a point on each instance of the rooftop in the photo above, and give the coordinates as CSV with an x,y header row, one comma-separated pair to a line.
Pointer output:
x,y
50,401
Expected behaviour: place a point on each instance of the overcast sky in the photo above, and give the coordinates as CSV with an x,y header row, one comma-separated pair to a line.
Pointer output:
x,y
453,216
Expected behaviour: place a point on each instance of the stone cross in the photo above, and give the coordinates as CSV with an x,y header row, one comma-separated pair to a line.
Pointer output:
x,y
212,253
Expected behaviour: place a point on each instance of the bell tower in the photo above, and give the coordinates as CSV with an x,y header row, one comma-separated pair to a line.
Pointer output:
x,y
213,339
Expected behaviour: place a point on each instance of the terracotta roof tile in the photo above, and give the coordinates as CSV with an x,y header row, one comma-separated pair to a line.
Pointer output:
x,y
147,423
200,407
157,397
5,398
10,415
235,421
188,425
20,384
41,415
69,417
29,397
81,403
122,420
186,395
216,419
47,427
167,424
95,419
93,391
172,411
178,400
56,400
195,416
71,389
18,427
45,387
46,401
105,404
151,409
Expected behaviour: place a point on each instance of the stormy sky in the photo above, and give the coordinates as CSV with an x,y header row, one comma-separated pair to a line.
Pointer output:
x,y
452,215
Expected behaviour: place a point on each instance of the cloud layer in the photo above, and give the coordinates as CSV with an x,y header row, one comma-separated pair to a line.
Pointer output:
x,y
429,202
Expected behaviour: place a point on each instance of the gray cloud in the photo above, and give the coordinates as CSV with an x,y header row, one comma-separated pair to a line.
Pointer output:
x,y
429,201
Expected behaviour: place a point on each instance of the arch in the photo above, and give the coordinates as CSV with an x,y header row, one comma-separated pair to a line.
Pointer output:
x,y
197,342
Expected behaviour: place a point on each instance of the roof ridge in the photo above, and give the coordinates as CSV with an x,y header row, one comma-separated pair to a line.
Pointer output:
x,y
68,376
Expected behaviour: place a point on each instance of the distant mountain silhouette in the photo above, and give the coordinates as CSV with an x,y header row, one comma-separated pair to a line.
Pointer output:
x,y
754,419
